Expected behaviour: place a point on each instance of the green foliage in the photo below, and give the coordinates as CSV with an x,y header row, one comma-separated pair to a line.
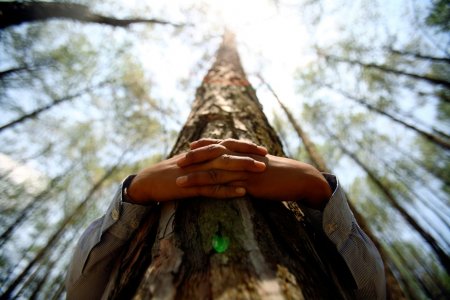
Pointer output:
x,y
440,15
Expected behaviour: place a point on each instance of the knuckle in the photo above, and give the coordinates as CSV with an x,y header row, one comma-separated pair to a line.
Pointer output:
x,y
213,148
190,154
228,142
215,190
226,159
213,176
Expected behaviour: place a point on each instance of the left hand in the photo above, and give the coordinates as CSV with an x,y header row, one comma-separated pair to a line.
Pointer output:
x,y
283,180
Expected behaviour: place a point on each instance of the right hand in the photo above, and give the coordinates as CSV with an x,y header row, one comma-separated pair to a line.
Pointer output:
x,y
223,163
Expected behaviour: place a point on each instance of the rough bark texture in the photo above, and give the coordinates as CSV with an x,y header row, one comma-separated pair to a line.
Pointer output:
x,y
271,253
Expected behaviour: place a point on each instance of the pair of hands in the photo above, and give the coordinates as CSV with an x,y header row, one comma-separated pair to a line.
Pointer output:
x,y
227,169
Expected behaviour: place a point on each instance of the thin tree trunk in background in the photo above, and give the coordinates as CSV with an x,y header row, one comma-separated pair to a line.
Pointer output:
x,y
386,69
433,171
54,238
429,136
270,254
15,13
439,212
420,56
35,113
443,257
24,214
8,72
53,261
59,291
35,280
393,290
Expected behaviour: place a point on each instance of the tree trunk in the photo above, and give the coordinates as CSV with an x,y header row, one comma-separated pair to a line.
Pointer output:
x,y
15,13
441,254
427,78
420,56
429,136
9,291
35,113
266,253
393,290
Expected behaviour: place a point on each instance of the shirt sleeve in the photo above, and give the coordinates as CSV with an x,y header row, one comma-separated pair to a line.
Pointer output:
x,y
100,245
355,247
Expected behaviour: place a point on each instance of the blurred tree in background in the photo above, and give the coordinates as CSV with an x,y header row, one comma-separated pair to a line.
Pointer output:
x,y
85,104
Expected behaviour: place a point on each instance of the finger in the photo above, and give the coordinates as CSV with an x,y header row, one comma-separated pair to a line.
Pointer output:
x,y
211,177
202,154
204,142
235,163
238,183
233,145
216,191
244,147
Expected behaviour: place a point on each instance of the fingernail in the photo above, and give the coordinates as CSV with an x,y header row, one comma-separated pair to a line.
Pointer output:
x,y
240,191
181,180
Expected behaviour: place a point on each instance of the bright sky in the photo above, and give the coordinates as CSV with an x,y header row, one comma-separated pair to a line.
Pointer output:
x,y
271,40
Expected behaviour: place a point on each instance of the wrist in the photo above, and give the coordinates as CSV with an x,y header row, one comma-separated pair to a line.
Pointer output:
x,y
130,191
320,192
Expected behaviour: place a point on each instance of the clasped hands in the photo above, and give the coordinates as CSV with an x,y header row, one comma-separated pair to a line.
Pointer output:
x,y
228,169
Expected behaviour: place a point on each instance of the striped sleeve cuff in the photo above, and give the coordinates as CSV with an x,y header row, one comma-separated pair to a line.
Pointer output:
x,y
337,218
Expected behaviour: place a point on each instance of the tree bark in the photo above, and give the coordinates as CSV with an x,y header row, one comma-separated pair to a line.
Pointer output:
x,y
393,290
15,13
270,253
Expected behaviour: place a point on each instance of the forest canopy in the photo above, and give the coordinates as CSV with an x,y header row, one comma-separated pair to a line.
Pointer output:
x,y
92,91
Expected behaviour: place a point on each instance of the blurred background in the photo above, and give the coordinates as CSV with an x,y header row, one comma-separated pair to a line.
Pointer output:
x,y
91,91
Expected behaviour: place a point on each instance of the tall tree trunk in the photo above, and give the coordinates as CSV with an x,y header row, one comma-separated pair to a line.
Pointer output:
x,y
440,253
8,72
420,56
393,290
386,69
429,136
55,237
15,13
28,209
444,177
270,254
35,113
439,209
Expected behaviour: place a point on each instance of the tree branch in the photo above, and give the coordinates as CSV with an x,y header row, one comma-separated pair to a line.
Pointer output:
x,y
15,13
